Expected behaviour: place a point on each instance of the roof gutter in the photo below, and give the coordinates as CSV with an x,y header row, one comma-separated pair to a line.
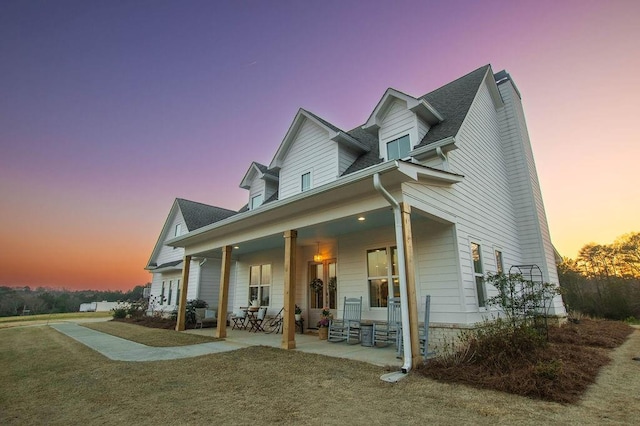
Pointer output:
x,y
404,297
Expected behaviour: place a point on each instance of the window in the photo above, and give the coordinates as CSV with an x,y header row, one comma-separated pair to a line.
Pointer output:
x,y
499,264
398,148
256,201
380,275
169,295
260,284
162,294
305,183
178,292
178,230
477,272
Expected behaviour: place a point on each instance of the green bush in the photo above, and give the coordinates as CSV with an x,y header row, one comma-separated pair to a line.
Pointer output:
x,y
119,313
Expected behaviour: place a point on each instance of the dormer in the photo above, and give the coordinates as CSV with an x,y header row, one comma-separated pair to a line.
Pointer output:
x,y
313,152
400,122
261,182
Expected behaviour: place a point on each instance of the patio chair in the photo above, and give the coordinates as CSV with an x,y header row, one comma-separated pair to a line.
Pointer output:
x,y
348,327
256,319
423,332
389,332
239,319
273,325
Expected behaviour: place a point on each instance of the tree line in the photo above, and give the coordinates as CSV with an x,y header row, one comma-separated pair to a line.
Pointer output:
x,y
604,280
20,300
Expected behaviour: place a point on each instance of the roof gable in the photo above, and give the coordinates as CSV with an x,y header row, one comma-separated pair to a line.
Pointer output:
x,y
334,133
257,170
421,107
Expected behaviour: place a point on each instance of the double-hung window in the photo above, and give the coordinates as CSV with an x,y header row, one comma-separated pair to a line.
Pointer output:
x,y
398,148
169,295
380,275
260,284
162,294
478,274
305,182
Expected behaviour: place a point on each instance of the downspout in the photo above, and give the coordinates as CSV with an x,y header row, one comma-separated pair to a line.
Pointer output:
x,y
404,297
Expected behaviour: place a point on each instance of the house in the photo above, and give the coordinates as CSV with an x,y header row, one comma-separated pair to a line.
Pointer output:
x,y
445,182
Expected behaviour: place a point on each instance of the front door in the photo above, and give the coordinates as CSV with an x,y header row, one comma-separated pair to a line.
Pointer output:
x,y
323,289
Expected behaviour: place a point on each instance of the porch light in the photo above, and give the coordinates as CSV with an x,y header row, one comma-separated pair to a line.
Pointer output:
x,y
361,218
317,257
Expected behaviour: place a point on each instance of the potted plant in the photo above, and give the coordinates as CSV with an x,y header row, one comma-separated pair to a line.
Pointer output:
x,y
323,324
298,313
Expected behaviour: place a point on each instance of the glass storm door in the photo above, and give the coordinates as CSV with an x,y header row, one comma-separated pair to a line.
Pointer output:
x,y
325,294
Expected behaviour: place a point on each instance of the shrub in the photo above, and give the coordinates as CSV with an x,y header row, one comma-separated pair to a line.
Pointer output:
x,y
119,312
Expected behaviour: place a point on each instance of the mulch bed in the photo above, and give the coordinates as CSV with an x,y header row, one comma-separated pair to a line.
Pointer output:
x,y
560,372
152,322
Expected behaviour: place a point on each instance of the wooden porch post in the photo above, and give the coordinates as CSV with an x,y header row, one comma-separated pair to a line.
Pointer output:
x,y
182,305
223,298
289,326
411,284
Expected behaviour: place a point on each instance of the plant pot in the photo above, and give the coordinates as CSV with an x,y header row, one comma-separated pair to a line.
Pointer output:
x,y
298,316
323,333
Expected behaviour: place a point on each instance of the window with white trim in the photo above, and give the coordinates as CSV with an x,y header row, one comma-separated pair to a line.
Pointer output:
x,y
305,182
178,230
256,201
260,284
499,264
379,275
177,292
162,294
398,148
170,291
476,256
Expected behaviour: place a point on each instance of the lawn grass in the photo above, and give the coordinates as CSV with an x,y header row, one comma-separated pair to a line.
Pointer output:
x,y
48,378
6,322
148,336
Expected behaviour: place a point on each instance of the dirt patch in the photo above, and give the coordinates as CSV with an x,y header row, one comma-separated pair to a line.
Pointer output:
x,y
560,371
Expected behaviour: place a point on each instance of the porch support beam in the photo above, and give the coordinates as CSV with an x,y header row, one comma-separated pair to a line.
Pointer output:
x,y
289,326
412,295
182,304
223,298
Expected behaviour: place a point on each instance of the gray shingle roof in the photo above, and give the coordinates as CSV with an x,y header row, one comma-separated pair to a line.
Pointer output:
x,y
452,100
196,215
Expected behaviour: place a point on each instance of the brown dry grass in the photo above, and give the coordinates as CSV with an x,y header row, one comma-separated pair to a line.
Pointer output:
x,y
48,378
148,336
560,371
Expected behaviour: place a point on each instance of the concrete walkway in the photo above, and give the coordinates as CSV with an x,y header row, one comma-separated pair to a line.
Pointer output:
x,y
118,349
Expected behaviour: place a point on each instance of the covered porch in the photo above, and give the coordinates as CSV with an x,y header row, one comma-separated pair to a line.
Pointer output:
x,y
330,230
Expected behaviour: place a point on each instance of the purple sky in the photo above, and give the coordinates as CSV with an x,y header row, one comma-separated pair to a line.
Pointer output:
x,y
111,109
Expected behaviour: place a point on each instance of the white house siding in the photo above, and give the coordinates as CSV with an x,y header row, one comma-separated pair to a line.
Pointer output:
x,y
170,254
423,128
311,151
257,188
527,196
397,122
346,157
482,203
209,282
352,264
239,292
